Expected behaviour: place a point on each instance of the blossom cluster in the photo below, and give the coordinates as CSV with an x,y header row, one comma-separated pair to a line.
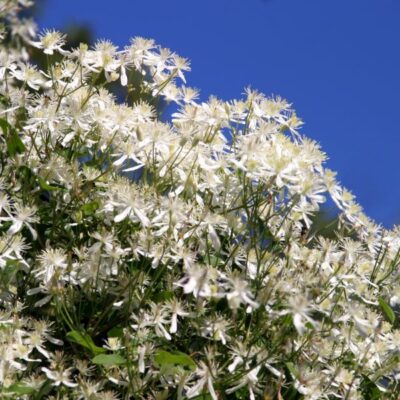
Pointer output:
x,y
148,257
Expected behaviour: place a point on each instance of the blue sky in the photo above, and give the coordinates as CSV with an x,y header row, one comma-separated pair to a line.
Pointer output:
x,y
337,62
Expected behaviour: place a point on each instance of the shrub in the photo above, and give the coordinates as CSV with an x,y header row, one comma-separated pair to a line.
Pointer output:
x,y
150,259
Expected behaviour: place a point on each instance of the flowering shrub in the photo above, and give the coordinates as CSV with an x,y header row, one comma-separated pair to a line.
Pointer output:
x,y
170,260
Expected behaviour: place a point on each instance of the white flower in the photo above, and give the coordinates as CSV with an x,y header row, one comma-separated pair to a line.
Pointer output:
x,y
50,40
175,307
204,378
60,377
113,344
300,310
23,215
216,329
250,380
51,262
196,281
158,318
104,56
131,206
28,73
239,292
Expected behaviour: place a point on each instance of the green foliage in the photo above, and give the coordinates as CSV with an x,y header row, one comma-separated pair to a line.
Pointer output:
x,y
19,388
172,359
387,311
108,360
84,340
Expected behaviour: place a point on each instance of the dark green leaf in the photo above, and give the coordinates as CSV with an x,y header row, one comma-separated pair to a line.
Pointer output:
x,y
369,389
5,126
108,360
44,390
163,296
117,332
309,325
85,341
14,144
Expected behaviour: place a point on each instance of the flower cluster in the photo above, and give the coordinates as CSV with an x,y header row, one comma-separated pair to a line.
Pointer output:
x,y
148,259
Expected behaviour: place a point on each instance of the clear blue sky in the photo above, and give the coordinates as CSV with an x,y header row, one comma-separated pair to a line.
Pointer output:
x,y
337,62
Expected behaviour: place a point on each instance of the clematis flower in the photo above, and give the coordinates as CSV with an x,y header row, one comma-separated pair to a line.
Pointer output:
x,y
49,41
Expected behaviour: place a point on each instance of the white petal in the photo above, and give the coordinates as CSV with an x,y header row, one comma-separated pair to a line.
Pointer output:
x,y
142,217
120,217
15,227
124,78
136,167
120,160
68,138
214,238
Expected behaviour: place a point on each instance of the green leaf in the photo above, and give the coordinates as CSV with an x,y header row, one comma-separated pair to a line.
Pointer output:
x,y
20,388
90,208
163,296
389,314
203,396
287,320
309,325
173,359
369,389
290,366
44,390
14,144
5,126
214,260
45,186
12,263
117,331
108,360
9,272
85,341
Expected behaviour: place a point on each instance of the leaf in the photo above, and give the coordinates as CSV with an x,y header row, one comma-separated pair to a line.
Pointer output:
x,y
290,366
20,388
85,341
44,390
14,144
214,260
45,186
309,325
163,296
108,360
203,396
389,314
173,359
5,126
26,173
90,208
287,320
369,389
9,271
12,263
117,331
